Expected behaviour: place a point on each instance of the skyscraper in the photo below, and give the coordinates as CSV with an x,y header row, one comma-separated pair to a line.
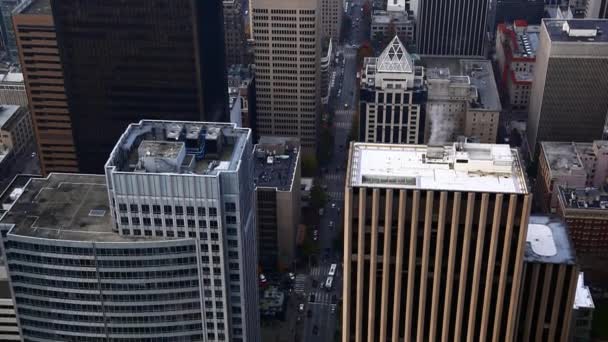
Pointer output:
x,y
532,11
163,247
234,32
452,28
156,59
568,101
434,240
37,45
331,18
596,9
393,97
287,55
7,32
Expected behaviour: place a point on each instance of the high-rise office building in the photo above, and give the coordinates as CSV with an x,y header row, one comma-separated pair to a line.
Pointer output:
x,y
12,88
508,11
287,58
161,248
331,18
452,28
157,59
37,45
9,330
434,240
597,9
549,284
277,187
234,32
7,31
568,101
392,97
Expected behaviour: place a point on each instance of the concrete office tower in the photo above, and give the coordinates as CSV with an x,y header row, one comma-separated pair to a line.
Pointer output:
x,y
287,58
452,28
195,180
508,11
434,240
234,31
241,92
325,69
16,135
12,88
549,284
516,45
9,330
37,45
277,186
392,97
462,100
567,164
583,311
597,9
568,100
332,12
385,23
155,59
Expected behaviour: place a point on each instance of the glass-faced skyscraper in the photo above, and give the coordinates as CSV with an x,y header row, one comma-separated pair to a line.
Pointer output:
x,y
133,60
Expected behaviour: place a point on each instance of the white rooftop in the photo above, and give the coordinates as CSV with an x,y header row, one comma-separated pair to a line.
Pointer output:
x,y
395,58
541,240
582,299
457,167
395,5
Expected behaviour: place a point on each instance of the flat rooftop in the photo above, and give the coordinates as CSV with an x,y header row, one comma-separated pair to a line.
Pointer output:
x,y
548,242
178,147
275,164
18,182
582,298
479,73
577,30
584,198
562,157
38,7
458,167
64,207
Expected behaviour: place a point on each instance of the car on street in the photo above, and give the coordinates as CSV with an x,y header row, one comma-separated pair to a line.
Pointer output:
x,y
312,298
315,330
315,235
301,308
333,205
346,105
292,276
331,224
333,309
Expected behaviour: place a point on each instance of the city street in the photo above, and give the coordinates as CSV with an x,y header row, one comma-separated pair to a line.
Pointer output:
x,y
323,321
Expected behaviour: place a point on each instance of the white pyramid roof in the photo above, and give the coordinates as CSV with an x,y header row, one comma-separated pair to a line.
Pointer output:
x,y
395,58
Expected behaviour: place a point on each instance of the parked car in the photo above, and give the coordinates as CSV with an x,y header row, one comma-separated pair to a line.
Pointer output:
x,y
301,308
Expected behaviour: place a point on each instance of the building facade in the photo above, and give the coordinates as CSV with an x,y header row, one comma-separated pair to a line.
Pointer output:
x,y
549,284
386,24
567,101
531,11
9,330
7,31
12,88
462,100
454,28
392,97
583,312
234,32
516,46
16,133
568,164
195,180
325,70
37,45
172,68
434,240
597,9
242,97
277,186
287,54
585,211
331,18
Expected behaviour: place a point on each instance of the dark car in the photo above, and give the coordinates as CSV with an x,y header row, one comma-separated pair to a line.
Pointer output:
x,y
309,313
334,299
315,330
312,298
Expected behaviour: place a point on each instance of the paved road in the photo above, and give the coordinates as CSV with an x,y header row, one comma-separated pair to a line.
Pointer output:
x,y
324,317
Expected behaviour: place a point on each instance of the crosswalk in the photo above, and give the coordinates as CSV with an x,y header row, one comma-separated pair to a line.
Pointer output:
x,y
321,297
336,195
300,285
334,176
343,124
344,112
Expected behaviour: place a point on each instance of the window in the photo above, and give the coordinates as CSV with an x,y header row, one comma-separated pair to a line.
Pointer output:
x,y
168,210
203,236
169,222
145,208
214,236
192,234
230,207
181,234
202,223
159,233
191,224
212,211
158,222
190,211
135,221
217,282
179,210
231,231
201,211
126,232
180,222
156,209
213,224
170,233
137,232
134,208
148,232
124,220
147,222
231,219
122,207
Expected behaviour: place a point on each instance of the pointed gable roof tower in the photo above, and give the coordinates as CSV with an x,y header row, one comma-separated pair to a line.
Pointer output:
x,y
395,58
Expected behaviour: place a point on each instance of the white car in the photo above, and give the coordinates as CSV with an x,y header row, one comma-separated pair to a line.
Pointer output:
x,y
292,276
301,308
333,205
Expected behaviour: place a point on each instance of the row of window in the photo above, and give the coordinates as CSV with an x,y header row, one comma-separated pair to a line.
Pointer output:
x,y
168,210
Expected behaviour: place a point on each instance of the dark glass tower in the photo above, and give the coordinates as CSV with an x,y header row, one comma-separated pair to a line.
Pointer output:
x,y
139,59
